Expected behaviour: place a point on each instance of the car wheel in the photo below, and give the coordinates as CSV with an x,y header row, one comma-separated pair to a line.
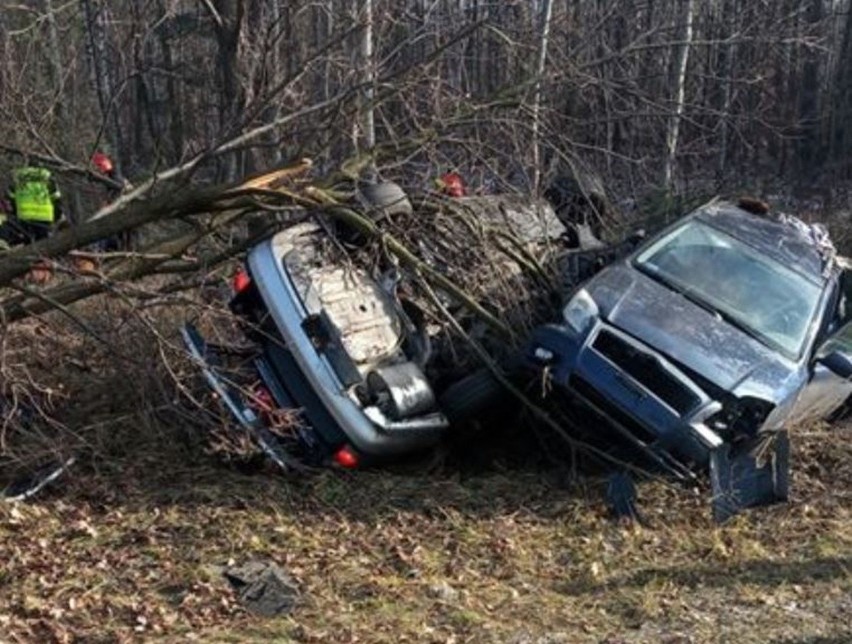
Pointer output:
x,y
470,397
841,413
386,199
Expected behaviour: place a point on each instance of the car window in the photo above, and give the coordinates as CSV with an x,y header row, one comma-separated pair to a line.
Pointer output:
x,y
762,296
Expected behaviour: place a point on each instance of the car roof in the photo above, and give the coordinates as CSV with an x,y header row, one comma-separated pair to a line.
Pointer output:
x,y
786,242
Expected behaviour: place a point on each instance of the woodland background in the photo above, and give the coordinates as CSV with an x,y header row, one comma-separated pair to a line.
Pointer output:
x,y
675,95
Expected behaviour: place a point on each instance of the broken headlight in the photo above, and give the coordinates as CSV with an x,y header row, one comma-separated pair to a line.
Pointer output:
x,y
580,313
740,416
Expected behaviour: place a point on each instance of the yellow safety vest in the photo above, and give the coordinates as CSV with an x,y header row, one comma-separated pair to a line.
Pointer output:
x,y
33,199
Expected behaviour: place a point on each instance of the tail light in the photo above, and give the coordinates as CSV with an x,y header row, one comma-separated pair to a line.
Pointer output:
x,y
241,281
346,458
262,399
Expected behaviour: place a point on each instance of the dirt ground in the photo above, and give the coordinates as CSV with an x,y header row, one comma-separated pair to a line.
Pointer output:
x,y
130,544
132,552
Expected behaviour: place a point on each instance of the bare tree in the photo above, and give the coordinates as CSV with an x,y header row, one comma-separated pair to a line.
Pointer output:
x,y
681,59
96,22
726,88
546,15
366,63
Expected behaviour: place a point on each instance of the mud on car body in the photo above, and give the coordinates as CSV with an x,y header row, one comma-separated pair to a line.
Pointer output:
x,y
724,326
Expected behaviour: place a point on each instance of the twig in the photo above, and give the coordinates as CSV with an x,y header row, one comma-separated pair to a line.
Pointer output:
x,y
47,480
537,411
56,305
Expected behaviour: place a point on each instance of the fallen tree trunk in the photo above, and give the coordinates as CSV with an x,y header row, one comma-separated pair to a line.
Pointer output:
x,y
231,202
134,268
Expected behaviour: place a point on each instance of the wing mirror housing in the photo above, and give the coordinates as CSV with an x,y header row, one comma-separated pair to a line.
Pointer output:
x,y
839,363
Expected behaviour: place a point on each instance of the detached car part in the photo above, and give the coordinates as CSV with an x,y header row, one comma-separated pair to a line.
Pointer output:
x,y
750,473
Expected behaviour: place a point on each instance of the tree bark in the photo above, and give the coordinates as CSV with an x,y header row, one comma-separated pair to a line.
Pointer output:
x,y
681,60
229,15
726,80
56,73
366,69
841,119
541,64
809,134
96,29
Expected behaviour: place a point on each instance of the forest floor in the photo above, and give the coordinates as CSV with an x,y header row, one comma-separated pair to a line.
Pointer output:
x,y
133,552
130,544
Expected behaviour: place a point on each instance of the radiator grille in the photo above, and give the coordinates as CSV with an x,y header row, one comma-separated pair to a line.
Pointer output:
x,y
646,370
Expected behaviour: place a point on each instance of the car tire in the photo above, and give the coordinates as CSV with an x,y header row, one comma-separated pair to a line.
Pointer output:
x,y
472,396
386,199
841,413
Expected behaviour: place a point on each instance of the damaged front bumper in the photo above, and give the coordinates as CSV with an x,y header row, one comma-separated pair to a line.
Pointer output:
x,y
645,398
655,408
246,417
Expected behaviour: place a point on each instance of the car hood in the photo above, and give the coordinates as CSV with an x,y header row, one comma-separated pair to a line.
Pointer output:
x,y
688,334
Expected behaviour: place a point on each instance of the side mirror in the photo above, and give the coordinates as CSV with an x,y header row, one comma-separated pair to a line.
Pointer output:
x,y
839,363
637,237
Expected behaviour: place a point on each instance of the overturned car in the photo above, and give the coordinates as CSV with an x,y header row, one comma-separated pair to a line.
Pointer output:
x,y
346,344
333,343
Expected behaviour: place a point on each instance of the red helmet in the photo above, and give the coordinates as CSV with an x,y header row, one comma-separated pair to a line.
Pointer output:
x,y
102,162
451,184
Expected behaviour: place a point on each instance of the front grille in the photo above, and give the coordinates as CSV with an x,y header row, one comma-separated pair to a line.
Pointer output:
x,y
647,370
587,391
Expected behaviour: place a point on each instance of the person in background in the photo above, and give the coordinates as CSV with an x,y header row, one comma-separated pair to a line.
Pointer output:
x,y
103,164
34,208
451,184
34,204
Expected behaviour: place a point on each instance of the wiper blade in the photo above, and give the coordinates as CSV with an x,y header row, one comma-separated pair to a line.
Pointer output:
x,y
656,276
677,288
734,322
701,302
727,317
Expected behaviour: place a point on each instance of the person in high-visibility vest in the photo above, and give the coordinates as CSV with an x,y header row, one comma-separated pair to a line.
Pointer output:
x,y
36,207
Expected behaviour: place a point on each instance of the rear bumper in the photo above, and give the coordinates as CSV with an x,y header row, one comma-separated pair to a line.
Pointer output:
x,y
628,405
230,396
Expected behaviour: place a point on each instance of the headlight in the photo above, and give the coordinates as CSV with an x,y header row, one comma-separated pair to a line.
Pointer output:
x,y
580,313
745,416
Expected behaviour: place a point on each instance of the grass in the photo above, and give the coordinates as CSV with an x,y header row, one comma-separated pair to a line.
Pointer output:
x,y
131,552
129,546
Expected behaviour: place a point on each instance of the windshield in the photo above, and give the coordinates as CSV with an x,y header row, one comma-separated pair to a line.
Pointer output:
x,y
752,291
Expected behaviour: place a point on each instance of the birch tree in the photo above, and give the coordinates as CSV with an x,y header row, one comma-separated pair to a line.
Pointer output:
x,y
367,78
726,67
679,90
541,64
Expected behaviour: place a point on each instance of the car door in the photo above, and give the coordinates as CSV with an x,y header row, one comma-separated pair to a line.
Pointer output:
x,y
827,390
